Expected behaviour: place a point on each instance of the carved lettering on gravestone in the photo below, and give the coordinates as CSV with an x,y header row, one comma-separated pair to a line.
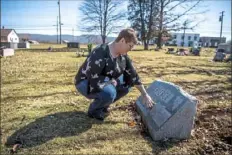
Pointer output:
x,y
157,91
177,102
165,95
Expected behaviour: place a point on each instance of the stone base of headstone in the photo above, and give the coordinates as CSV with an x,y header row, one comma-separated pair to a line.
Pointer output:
x,y
173,114
6,52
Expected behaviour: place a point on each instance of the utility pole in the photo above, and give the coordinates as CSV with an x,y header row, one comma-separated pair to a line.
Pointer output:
x,y
73,34
59,20
221,20
185,24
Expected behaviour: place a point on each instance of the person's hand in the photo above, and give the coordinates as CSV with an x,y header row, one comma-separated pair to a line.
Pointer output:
x,y
114,82
147,100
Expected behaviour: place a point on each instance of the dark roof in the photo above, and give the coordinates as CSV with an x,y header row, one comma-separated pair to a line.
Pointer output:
x,y
5,32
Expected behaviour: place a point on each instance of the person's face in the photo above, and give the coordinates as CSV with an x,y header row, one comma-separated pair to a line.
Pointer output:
x,y
125,47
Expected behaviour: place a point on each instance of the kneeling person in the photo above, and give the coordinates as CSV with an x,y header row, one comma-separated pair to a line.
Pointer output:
x,y
108,74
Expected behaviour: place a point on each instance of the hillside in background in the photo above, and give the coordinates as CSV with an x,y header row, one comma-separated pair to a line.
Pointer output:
x,y
84,39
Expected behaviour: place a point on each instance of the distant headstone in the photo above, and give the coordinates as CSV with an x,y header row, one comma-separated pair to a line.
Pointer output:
x,y
6,52
182,52
195,51
73,45
173,114
171,51
219,56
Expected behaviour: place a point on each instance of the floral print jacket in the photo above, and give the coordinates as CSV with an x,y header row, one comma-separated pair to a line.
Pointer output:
x,y
100,68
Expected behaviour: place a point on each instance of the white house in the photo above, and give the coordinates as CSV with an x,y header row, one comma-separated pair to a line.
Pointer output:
x,y
9,36
187,40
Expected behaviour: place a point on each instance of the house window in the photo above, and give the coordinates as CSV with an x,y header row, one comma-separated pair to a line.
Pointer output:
x,y
182,43
174,37
195,38
3,38
189,37
174,42
15,38
182,37
190,43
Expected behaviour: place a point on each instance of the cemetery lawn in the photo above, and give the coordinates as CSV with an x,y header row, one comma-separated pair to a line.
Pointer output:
x,y
41,109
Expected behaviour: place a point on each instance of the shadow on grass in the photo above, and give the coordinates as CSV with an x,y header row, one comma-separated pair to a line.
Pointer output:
x,y
46,128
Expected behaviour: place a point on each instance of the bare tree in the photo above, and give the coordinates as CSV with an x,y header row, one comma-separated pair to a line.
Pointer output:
x,y
142,15
102,16
170,20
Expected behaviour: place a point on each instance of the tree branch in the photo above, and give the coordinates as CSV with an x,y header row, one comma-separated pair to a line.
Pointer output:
x,y
180,15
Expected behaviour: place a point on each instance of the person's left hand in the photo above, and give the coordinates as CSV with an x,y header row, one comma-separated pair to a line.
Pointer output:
x,y
114,82
147,100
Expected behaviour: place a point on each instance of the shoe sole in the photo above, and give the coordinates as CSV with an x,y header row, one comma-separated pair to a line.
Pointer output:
x,y
91,116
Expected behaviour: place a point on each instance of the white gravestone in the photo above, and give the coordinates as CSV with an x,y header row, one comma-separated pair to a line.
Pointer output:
x,y
173,114
6,52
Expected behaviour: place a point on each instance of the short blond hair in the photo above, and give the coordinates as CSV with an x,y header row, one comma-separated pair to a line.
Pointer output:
x,y
128,34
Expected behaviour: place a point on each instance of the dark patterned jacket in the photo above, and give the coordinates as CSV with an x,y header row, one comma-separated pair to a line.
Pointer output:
x,y
100,68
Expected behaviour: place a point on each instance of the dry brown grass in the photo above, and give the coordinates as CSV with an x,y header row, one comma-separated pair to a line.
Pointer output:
x,y
41,107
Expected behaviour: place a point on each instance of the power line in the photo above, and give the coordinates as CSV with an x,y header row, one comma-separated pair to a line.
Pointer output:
x,y
33,16
43,29
73,34
39,26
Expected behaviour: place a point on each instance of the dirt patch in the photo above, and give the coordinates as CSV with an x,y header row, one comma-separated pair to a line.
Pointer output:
x,y
213,126
211,134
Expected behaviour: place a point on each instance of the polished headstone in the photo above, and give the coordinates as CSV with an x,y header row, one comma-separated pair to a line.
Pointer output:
x,y
173,114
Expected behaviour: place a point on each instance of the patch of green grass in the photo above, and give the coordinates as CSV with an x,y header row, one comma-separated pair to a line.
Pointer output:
x,y
41,106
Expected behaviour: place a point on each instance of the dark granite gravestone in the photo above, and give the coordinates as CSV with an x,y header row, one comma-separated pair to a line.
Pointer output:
x,y
219,56
73,45
173,114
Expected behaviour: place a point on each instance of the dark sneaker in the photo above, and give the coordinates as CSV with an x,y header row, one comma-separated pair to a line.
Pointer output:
x,y
97,116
